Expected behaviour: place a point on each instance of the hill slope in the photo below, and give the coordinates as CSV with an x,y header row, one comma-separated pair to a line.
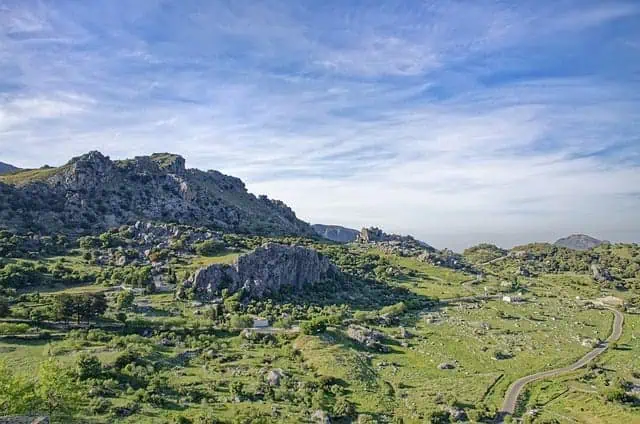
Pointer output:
x,y
578,242
336,233
92,192
5,168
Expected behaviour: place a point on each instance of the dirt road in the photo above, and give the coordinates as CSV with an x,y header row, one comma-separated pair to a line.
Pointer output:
x,y
511,397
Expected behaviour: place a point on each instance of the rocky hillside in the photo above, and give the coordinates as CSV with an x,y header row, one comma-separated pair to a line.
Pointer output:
x,y
92,193
5,168
268,269
579,242
336,233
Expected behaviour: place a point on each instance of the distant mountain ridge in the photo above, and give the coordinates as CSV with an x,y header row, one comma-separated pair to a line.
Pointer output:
x,y
5,168
93,193
336,233
579,242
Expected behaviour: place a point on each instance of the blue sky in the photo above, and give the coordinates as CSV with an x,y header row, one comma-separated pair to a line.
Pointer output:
x,y
458,122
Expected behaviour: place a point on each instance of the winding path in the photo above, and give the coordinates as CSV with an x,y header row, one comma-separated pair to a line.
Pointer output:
x,y
511,397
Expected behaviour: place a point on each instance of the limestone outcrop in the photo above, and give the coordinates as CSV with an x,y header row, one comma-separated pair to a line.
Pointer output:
x,y
268,269
92,193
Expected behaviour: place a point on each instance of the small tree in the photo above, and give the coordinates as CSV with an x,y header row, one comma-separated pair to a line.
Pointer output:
x,y
36,316
343,407
121,317
16,394
4,308
438,417
96,305
57,390
240,321
63,307
125,299
88,366
315,326
236,388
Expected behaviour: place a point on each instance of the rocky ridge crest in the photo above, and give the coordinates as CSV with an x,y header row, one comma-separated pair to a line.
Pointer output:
x,y
92,193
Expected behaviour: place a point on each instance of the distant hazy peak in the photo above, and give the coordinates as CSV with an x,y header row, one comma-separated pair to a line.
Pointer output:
x,y
579,242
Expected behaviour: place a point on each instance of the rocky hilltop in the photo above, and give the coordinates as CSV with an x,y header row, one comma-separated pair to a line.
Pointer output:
x,y
374,235
579,242
336,233
5,168
268,269
409,246
92,193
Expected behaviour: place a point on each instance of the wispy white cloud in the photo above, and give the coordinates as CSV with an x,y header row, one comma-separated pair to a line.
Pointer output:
x,y
456,121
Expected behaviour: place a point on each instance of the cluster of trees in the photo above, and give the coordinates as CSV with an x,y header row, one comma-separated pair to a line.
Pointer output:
x,y
21,274
621,260
81,307
24,246
54,392
132,276
104,241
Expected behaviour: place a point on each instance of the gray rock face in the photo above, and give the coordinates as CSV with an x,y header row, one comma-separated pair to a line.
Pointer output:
x,y
579,242
274,377
369,338
446,366
92,193
336,233
268,269
321,417
408,246
600,274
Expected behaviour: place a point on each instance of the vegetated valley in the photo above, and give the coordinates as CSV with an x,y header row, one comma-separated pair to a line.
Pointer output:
x,y
140,291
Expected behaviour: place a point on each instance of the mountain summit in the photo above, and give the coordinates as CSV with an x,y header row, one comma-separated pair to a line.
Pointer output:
x,y
579,242
92,192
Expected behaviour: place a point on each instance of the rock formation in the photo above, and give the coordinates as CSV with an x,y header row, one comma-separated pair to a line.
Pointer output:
x,y
336,233
92,193
600,274
369,338
268,269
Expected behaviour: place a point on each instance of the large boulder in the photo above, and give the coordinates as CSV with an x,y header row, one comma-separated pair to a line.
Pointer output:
x,y
600,274
369,338
268,269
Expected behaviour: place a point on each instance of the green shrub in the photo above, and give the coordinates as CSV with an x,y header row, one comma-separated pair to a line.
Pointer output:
x,y
240,321
88,366
209,248
315,326
343,408
8,329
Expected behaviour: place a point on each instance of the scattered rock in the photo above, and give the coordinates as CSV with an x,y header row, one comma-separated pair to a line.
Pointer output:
x,y
369,338
274,377
321,417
